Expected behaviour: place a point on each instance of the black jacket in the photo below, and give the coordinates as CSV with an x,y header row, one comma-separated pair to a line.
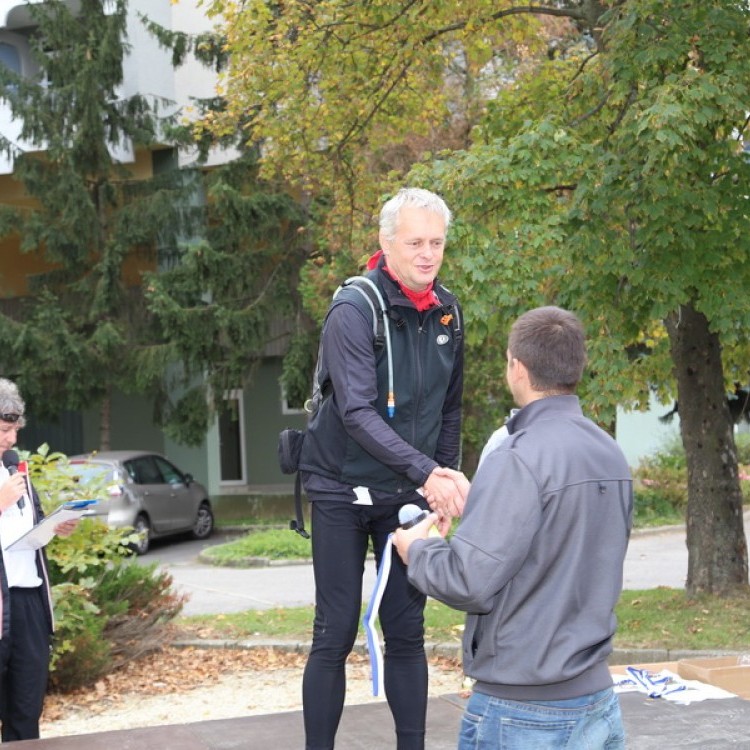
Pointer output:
x,y
350,438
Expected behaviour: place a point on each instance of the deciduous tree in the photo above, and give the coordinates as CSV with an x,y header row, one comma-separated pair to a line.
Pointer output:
x,y
610,178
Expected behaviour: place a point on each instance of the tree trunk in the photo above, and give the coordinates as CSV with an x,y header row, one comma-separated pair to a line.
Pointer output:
x,y
717,550
105,421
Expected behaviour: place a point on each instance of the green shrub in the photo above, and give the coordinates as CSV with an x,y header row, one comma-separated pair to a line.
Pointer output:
x,y
742,441
136,602
660,487
81,655
107,609
274,544
661,482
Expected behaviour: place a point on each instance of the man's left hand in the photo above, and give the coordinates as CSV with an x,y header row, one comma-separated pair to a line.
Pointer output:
x,y
66,528
403,538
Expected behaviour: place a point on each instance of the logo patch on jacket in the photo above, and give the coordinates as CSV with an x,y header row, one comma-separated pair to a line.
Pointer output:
x,y
442,339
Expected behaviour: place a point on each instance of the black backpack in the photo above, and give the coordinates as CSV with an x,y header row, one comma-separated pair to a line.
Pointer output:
x,y
291,440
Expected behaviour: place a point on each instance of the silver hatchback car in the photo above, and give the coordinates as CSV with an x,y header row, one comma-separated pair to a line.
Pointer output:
x,y
146,492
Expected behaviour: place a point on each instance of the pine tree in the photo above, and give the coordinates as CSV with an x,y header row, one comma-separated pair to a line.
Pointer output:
x,y
87,216
150,288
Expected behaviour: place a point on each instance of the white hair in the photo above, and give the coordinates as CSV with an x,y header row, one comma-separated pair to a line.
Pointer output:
x,y
10,399
416,197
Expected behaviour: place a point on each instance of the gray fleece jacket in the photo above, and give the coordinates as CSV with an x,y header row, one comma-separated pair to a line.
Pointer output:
x,y
537,559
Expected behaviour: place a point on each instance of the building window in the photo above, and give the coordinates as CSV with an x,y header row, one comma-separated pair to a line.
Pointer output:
x,y
232,438
10,57
287,408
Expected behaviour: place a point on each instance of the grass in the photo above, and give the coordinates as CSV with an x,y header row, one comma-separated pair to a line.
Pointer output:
x,y
660,618
271,538
274,544
655,618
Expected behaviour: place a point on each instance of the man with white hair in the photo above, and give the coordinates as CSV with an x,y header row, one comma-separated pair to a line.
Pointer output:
x,y
385,432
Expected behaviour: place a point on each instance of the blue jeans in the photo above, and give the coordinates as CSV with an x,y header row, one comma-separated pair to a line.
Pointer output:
x,y
591,722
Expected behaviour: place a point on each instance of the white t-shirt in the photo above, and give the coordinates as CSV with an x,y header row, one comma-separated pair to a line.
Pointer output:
x,y
20,565
496,438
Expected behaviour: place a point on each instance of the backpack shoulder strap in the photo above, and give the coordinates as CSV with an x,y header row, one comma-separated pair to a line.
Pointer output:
x,y
369,291
381,332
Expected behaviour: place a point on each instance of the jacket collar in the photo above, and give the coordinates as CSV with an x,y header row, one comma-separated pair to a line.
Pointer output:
x,y
549,407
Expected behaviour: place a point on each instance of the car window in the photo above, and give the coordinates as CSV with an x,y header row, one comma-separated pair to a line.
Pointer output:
x,y
83,473
130,470
171,474
145,470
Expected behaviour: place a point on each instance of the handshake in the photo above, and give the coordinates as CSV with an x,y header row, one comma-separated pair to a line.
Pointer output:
x,y
445,492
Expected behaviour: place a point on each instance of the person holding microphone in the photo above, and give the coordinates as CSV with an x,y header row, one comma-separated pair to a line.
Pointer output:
x,y
26,620
536,561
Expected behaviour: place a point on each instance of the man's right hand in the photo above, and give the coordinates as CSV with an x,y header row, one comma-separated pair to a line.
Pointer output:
x,y
446,490
13,488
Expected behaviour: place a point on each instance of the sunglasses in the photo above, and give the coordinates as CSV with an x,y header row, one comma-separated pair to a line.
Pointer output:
x,y
13,418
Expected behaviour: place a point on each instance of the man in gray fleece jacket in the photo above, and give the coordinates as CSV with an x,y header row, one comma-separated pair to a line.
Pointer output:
x,y
536,561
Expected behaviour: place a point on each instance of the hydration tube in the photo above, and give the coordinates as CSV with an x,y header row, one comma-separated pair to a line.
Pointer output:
x,y
391,407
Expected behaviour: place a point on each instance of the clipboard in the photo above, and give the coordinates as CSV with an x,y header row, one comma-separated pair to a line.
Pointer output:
x,y
42,533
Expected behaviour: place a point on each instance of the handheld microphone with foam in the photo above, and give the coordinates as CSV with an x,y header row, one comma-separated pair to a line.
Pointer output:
x,y
10,461
410,515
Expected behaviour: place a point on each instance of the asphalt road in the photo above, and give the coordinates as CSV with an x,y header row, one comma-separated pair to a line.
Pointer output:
x,y
654,559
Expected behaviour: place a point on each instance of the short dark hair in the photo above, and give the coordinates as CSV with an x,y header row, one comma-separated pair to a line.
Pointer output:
x,y
551,344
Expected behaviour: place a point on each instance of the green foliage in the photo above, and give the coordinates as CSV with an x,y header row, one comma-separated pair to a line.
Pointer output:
x,y
107,609
661,486
298,367
83,218
607,176
742,441
222,302
81,654
108,619
661,483
160,284
136,602
94,546
294,63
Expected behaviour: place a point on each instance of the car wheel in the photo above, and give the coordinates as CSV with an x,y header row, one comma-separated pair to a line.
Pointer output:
x,y
204,522
143,528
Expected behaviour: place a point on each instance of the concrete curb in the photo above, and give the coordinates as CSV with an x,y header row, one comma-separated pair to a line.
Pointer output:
x,y
453,650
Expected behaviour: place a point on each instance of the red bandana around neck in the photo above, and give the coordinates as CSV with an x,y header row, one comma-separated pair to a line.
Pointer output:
x,y
423,300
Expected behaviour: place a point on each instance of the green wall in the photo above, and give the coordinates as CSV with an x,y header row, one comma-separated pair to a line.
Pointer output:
x,y
263,422
132,428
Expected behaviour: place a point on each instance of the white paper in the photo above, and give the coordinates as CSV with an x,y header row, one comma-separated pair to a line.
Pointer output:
x,y
42,533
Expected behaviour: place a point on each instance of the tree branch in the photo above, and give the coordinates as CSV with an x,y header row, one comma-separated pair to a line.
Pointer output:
x,y
574,13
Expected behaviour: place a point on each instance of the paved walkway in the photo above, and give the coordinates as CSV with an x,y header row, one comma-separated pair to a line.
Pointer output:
x,y
649,724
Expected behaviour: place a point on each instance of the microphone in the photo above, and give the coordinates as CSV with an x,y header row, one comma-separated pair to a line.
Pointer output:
x,y
11,462
410,515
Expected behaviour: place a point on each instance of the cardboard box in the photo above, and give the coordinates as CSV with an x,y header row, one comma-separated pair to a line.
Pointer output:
x,y
724,672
